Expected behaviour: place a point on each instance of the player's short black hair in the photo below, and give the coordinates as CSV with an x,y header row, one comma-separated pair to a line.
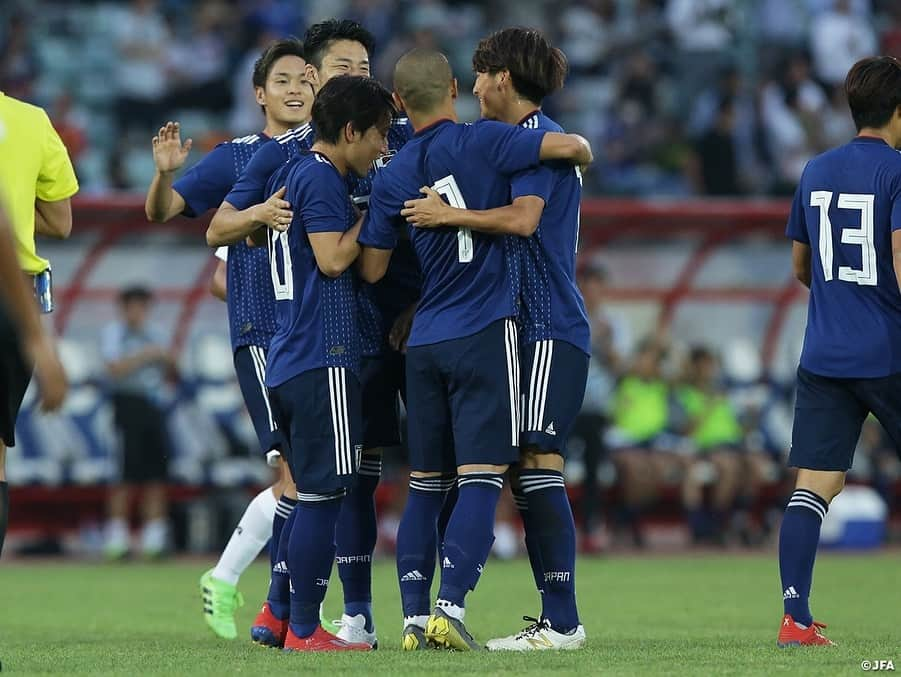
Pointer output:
x,y
275,51
536,67
361,101
873,89
135,292
319,38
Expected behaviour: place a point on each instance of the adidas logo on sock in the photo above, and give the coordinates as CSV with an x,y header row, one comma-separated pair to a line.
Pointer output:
x,y
280,568
447,564
412,576
550,429
790,593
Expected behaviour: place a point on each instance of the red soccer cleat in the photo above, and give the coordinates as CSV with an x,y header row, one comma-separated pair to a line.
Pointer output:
x,y
267,629
791,635
321,640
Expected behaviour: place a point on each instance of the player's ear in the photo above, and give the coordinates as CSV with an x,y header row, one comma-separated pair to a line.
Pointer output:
x,y
349,132
454,91
260,94
311,74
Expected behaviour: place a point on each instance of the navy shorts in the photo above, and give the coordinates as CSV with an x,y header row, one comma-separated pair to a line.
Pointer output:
x,y
554,374
319,415
829,413
250,366
463,400
382,380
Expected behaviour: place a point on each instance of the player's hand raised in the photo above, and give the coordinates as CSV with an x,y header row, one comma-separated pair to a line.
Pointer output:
x,y
274,212
430,211
169,154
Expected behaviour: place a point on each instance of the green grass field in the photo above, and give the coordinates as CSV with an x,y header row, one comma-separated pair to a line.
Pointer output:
x,y
691,615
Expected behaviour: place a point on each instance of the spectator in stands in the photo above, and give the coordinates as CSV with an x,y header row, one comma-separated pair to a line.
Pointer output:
x,y
715,161
137,364
142,42
839,38
609,344
18,61
712,425
641,416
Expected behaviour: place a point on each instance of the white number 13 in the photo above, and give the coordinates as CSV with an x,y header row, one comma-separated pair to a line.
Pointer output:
x,y
448,188
862,237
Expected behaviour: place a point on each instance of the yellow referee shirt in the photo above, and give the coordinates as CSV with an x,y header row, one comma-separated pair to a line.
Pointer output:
x,y
34,164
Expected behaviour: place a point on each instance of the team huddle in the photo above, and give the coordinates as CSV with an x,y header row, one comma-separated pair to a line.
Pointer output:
x,y
375,248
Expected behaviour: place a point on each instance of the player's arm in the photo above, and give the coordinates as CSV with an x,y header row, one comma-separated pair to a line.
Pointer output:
x,y
573,148
521,217
230,225
219,281
169,154
53,219
36,343
801,265
335,251
378,234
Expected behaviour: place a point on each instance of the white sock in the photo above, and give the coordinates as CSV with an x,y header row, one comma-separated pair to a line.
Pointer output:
x,y
418,621
153,536
451,609
248,539
116,534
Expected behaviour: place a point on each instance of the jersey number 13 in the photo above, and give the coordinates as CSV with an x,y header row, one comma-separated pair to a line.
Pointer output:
x,y
862,236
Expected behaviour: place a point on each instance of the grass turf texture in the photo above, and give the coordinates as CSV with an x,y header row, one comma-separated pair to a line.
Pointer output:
x,y
691,615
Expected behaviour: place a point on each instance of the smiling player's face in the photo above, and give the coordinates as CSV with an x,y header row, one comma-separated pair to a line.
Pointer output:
x,y
488,92
367,148
343,57
288,95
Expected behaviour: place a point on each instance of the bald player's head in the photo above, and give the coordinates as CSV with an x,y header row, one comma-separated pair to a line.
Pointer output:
x,y
423,80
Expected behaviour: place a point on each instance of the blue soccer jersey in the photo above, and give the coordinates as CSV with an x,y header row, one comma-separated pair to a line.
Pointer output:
x,y
468,281
552,305
316,314
378,305
251,310
847,205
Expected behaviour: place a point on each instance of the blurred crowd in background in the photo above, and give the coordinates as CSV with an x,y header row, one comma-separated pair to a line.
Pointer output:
x,y
679,97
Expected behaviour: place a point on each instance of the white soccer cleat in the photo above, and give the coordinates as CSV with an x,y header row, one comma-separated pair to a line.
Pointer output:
x,y
353,630
539,636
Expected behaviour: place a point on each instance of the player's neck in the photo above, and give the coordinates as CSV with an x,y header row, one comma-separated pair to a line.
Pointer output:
x,y
334,155
274,128
422,120
517,110
878,133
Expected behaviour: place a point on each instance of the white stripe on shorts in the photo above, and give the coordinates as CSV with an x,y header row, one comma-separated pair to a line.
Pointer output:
x,y
259,366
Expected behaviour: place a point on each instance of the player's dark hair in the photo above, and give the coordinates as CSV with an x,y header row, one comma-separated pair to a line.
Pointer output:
x,y
356,99
135,293
319,38
873,89
275,51
536,68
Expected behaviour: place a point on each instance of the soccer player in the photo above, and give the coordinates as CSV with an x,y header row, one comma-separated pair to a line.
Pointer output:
x,y
285,97
338,48
845,224
38,182
314,358
517,68
462,353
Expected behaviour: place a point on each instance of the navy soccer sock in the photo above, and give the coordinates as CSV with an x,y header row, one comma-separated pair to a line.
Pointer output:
x,y
470,534
449,502
356,535
522,505
554,529
417,542
282,511
311,550
4,512
279,596
798,540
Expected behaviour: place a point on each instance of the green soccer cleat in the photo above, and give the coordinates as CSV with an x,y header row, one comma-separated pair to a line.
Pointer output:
x,y
332,626
446,632
220,601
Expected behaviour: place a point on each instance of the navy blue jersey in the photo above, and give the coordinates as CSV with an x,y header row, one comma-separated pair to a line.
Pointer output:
x,y
316,314
847,205
468,281
378,305
251,310
552,305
